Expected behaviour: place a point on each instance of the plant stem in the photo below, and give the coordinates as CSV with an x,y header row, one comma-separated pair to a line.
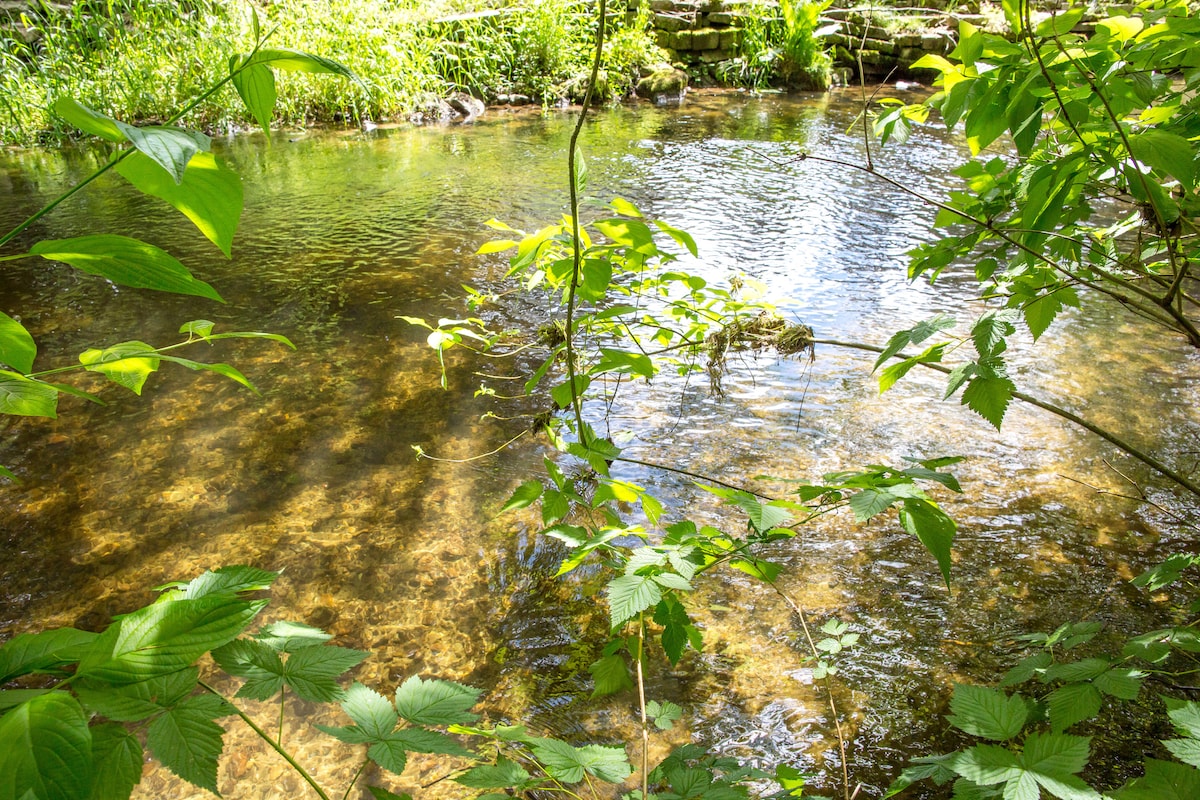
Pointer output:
x,y
354,780
642,707
1121,444
576,240
274,744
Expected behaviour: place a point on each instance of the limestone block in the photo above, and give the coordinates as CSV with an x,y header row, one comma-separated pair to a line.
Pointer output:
x,y
671,22
682,41
730,39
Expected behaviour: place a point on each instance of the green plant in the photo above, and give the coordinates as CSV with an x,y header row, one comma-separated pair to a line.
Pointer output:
x,y
804,61
173,164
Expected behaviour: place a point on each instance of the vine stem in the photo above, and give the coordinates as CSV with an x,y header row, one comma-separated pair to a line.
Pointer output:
x,y
576,234
833,709
303,773
642,706
1121,444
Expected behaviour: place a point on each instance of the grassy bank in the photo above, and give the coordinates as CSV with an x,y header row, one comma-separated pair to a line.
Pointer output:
x,y
143,59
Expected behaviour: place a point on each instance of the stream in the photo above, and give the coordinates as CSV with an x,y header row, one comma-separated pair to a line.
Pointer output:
x,y
345,231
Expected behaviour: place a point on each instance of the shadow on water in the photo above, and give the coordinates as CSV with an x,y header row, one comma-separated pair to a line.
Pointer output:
x,y
344,232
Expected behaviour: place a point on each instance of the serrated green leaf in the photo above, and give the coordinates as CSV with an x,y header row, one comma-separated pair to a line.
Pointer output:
x,y
371,711
1123,683
420,740
436,702
630,595
1073,703
125,261
137,701
187,741
17,348
288,637
1186,750
45,650
664,714
757,568
229,581
503,774
989,398
523,496
988,713
609,764
985,764
1083,670
116,762
1184,716
258,663
207,193
933,528
388,754
46,750
611,675
870,502
165,637
670,580
559,758
26,397
312,672
1168,153
1164,780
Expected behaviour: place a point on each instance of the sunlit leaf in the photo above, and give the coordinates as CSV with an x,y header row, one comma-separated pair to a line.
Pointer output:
x,y
207,193
501,775
169,147
297,61
46,749
229,580
312,672
629,595
26,397
1164,780
255,84
371,711
288,637
87,120
42,651
17,348
988,713
436,702
125,261
127,364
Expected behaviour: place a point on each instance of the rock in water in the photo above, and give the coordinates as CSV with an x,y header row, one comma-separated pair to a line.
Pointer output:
x,y
470,107
663,86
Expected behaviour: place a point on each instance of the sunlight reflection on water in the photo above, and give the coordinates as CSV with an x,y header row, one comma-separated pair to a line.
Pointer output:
x,y
343,232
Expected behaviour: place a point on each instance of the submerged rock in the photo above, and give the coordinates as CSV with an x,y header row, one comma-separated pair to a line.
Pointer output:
x,y
664,85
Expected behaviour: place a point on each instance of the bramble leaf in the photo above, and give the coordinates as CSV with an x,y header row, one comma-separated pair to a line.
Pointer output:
x,y
116,762
312,672
188,742
629,595
436,702
46,749
45,650
988,713
501,775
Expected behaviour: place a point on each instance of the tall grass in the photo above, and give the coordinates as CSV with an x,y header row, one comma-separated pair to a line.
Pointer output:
x,y
142,59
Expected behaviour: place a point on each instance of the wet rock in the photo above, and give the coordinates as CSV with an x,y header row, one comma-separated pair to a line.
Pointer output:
x,y
664,85
432,110
471,108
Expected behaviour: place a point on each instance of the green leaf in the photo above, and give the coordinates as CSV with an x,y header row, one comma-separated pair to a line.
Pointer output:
x,y
611,675
137,701
229,581
1059,24
38,652
116,762
933,528
169,147
87,120
1165,573
1168,153
1123,683
255,84
989,398
1186,750
371,711
503,774
165,637
870,502
914,335
1072,704
1042,310
312,672
17,348
46,750
1185,716
26,397
985,764
629,595
298,61
525,495
664,714
420,740
208,193
560,759
988,713
379,793
258,663
1083,670
288,637
127,364
436,702
766,571
125,261
609,764
1164,780
187,741
388,754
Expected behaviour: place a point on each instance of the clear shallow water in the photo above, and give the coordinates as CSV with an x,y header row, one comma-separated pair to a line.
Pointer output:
x,y
343,232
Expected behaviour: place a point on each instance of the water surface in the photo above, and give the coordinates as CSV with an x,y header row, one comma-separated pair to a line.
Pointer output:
x,y
345,231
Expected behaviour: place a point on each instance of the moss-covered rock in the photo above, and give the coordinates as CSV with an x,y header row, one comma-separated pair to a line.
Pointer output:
x,y
663,85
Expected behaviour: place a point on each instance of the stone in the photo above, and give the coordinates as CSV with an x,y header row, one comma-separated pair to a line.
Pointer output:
x,y
671,22
471,108
730,40
706,39
682,41
663,86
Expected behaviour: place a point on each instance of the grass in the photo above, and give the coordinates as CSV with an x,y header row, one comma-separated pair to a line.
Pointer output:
x,y
143,59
